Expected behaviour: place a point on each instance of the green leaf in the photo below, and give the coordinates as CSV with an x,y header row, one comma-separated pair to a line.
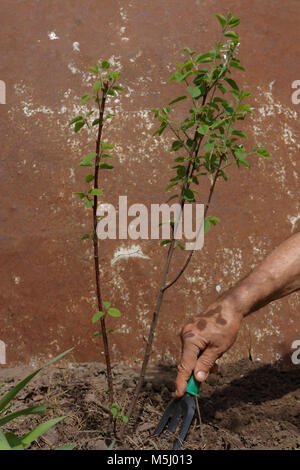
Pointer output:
x,y
60,356
218,124
118,88
236,65
222,88
105,64
105,166
93,69
105,146
228,109
97,85
194,91
75,119
96,192
114,312
203,58
180,98
32,410
179,245
14,441
262,151
106,155
184,76
87,161
181,171
114,411
78,125
234,22
232,83
189,195
165,242
5,400
88,203
112,444
97,316
232,35
114,75
89,178
213,220
188,50
124,419
203,129
221,20
95,122
176,145
240,134
39,430
66,447
85,98
244,162
106,304
4,444
171,186
160,130
206,226
172,197
81,195
84,237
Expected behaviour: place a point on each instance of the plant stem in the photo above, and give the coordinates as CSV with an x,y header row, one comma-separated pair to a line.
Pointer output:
x,y
101,107
189,171
188,259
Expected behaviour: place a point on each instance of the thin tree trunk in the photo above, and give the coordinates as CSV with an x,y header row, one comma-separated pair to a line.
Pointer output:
x,y
101,107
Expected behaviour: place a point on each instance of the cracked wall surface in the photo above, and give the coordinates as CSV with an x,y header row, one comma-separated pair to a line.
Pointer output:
x,y
47,295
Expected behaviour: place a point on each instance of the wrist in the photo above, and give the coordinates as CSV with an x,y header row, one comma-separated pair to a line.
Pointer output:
x,y
238,300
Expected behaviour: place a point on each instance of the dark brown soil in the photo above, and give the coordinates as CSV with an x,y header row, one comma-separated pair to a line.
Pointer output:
x,y
245,405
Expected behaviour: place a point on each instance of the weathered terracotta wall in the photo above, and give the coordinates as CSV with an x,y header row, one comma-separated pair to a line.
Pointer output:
x,y
47,284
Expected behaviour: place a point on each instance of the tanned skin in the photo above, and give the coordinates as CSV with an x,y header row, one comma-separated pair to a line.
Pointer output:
x,y
215,330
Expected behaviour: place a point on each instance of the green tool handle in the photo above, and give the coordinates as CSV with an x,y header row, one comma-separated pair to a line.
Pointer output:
x,y
193,386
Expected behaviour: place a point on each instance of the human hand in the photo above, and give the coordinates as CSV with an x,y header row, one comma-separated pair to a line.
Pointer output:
x,y
210,335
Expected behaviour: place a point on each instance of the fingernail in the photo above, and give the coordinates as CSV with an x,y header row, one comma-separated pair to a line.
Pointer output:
x,y
201,376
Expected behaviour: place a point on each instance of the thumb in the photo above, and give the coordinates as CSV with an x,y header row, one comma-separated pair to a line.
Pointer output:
x,y
205,363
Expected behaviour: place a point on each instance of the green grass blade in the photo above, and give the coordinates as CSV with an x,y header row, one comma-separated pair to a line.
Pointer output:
x,y
4,445
15,390
32,410
66,447
14,442
39,430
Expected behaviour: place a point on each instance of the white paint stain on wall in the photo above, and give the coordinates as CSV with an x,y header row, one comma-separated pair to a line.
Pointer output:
x,y
52,36
293,220
134,251
76,47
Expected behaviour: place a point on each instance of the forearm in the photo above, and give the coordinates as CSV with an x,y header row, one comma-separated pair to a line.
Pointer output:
x,y
275,277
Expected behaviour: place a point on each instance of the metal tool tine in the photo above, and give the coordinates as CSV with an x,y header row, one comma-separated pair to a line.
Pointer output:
x,y
171,408
187,419
175,419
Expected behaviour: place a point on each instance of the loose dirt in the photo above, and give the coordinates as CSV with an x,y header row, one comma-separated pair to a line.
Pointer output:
x,y
246,405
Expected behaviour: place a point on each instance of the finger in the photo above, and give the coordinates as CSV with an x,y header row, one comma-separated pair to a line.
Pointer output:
x,y
205,364
186,367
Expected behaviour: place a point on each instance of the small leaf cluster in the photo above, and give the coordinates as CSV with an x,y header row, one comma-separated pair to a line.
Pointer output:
x,y
117,413
103,86
209,138
108,310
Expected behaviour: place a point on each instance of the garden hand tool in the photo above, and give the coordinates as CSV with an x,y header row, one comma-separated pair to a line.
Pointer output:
x,y
180,407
